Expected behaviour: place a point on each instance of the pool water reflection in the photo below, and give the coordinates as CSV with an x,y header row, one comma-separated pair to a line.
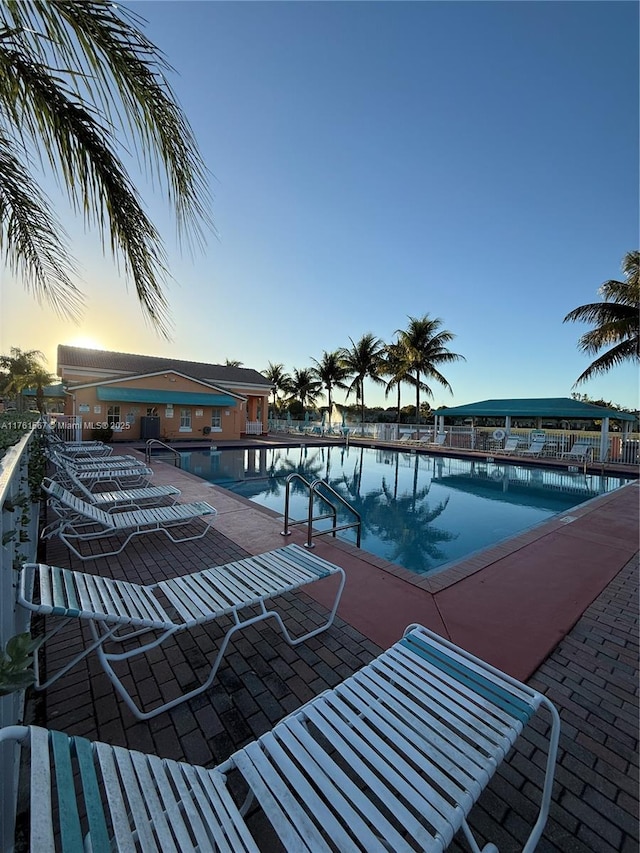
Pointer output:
x,y
417,510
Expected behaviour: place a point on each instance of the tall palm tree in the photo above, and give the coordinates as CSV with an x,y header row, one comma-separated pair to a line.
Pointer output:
x,y
425,343
304,386
331,373
397,368
72,74
280,382
616,319
364,360
232,362
24,369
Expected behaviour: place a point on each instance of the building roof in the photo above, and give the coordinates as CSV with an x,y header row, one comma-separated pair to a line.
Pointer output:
x,y
116,364
544,407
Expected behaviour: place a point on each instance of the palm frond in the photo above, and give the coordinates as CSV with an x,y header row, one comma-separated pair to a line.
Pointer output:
x,y
96,181
32,242
113,64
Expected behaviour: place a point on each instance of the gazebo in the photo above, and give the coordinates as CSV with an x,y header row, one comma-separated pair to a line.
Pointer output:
x,y
564,411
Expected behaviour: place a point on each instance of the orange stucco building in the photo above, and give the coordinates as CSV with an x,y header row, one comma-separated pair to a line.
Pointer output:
x,y
142,396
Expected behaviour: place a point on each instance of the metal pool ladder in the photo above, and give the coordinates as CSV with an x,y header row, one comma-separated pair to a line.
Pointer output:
x,y
314,491
177,461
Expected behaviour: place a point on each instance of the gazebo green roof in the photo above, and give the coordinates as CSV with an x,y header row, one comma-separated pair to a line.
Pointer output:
x,y
542,407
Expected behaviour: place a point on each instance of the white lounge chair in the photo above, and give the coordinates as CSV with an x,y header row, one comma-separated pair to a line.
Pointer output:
x,y
134,497
407,438
84,522
117,610
121,476
438,441
85,463
76,448
582,451
510,445
394,758
535,448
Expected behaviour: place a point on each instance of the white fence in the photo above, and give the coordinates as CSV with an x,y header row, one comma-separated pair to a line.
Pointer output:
x,y
19,531
620,447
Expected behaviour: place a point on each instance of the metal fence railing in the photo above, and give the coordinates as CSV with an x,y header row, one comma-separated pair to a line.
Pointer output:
x,y
619,447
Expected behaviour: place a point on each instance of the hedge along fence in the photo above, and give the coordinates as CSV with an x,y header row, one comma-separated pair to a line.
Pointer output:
x,y
21,472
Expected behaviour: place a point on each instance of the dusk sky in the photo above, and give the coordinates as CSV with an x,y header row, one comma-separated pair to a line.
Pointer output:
x,y
477,161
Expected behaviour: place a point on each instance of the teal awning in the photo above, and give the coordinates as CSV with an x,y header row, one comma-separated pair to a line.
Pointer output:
x,y
48,391
118,394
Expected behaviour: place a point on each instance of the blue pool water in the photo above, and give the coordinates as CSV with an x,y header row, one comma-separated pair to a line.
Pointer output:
x,y
417,510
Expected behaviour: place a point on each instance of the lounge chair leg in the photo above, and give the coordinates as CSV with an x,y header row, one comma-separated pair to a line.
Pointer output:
x,y
106,657
294,641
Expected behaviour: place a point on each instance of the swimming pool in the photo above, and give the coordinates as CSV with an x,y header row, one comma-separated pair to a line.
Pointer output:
x,y
418,511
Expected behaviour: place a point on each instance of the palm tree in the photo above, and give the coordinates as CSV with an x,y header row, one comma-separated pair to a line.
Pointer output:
x,y
331,373
425,344
363,361
232,362
397,368
616,319
304,386
23,370
70,75
280,382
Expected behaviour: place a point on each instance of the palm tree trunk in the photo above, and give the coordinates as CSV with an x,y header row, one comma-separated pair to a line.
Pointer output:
x,y
418,403
398,419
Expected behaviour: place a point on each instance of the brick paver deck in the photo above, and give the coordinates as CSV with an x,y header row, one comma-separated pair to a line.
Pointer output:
x,y
592,676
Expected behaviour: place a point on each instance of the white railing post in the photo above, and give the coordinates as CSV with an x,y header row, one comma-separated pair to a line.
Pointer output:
x,y
19,542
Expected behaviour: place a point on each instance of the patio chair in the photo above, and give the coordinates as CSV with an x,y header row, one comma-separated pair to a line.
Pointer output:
x,y
582,451
117,610
80,521
535,448
393,758
511,444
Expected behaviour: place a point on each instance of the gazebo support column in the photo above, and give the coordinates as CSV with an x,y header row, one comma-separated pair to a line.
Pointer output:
x,y
604,439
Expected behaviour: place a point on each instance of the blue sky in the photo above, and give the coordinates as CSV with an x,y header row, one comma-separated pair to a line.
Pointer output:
x,y
373,161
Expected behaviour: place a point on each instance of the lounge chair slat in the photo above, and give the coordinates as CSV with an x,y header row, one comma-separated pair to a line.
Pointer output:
x,y
319,763
136,798
334,815
390,725
70,831
451,707
210,791
98,831
168,824
448,752
385,771
42,834
292,823
118,808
